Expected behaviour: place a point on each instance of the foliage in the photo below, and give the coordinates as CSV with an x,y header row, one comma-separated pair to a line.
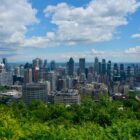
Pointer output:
x,y
4,88
88,121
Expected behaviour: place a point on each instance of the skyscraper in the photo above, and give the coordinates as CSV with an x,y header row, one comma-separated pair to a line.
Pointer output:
x,y
71,67
96,65
37,63
103,66
100,67
52,65
45,63
5,62
36,74
128,71
27,75
116,70
52,78
109,68
21,67
6,78
82,65
122,72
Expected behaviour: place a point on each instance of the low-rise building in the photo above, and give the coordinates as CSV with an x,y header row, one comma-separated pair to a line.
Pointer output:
x,y
94,89
67,97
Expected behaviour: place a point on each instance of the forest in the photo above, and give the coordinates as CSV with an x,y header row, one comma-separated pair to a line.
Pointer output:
x,y
90,120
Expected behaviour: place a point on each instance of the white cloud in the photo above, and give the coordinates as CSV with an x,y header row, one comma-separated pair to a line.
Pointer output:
x,y
15,16
133,50
137,36
93,23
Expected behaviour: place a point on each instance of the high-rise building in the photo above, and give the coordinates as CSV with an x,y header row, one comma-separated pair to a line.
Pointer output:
x,y
82,65
121,67
69,82
122,72
128,71
91,69
45,63
6,78
37,63
136,69
5,62
90,77
82,77
17,71
52,65
43,74
27,65
59,84
109,69
21,67
52,78
71,67
96,65
115,70
100,67
34,91
36,74
28,75
103,66
48,87
2,69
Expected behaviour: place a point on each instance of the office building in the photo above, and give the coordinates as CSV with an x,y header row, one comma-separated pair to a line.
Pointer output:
x,y
6,78
21,69
103,66
52,65
67,97
109,70
69,82
90,78
96,65
27,75
5,62
34,91
82,65
45,63
37,63
122,73
52,79
36,74
71,67
115,70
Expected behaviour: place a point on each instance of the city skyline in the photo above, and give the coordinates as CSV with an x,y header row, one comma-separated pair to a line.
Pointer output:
x,y
88,28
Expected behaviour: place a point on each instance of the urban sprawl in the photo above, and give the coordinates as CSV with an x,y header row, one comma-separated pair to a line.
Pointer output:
x,y
66,83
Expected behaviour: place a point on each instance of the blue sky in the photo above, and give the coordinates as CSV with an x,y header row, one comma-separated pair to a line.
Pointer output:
x,y
59,29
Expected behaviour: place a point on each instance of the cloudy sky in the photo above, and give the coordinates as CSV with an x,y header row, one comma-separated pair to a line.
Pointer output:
x,y
59,29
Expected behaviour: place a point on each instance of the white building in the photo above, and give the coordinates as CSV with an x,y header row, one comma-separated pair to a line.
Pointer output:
x,y
6,78
52,79
67,97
